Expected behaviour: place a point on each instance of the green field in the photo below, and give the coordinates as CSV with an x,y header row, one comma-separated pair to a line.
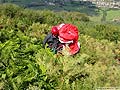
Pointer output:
x,y
111,14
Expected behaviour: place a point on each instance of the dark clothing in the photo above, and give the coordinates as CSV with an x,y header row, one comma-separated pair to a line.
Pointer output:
x,y
53,42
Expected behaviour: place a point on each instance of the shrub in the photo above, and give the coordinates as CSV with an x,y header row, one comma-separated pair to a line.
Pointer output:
x,y
73,16
10,10
51,17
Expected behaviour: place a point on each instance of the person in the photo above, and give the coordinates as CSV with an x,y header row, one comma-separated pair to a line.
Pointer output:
x,y
67,35
52,40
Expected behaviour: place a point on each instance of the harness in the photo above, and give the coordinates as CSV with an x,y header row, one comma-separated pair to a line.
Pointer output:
x,y
53,43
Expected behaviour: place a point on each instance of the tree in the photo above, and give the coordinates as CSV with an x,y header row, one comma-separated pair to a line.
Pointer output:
x,y
105,9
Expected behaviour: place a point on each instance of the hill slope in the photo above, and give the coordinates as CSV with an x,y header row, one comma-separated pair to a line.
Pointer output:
x,y
24,64
86,7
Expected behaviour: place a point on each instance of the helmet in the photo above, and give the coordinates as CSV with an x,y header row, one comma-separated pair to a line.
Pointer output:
x,y
54,30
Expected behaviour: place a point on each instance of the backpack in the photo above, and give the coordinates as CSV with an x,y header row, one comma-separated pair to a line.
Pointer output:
x,y
53,43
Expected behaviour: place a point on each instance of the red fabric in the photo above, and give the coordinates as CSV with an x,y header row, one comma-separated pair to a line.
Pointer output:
x,y
54,30
60,26
62,40
67,33
74,48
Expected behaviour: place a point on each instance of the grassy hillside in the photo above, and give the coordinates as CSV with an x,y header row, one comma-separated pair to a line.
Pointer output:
x,y
83,7
111,15
95,14
24,64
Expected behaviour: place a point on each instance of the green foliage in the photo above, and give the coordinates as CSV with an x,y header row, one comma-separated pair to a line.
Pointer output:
x,y
101,31
14,11
51,17
24,64
9,10
73,16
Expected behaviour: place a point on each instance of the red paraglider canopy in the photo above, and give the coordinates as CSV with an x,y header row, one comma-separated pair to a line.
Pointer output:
x,y
69,34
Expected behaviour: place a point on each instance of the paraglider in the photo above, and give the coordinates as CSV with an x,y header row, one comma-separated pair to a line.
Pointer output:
x,y
61,37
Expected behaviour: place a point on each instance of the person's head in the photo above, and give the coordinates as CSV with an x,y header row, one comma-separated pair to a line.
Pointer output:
x,y
54,31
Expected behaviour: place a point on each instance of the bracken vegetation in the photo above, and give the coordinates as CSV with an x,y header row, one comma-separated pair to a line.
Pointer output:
x,y
25,65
